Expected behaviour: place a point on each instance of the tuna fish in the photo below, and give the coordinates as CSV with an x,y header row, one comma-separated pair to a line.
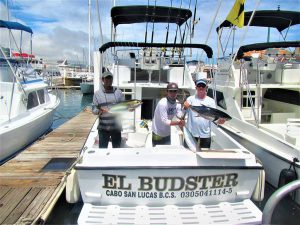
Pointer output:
x,y
209,113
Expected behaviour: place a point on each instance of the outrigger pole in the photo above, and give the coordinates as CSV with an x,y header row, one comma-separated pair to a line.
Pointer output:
x,y
167,35
175,39
146,23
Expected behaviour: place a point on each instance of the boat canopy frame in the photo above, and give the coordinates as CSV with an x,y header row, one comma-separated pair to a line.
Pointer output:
x,y
148,13
266,45
15,26
208,50
278,19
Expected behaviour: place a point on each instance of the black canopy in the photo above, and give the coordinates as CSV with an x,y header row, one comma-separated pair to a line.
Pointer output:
x,y
266,45
144,13
269,18
108,45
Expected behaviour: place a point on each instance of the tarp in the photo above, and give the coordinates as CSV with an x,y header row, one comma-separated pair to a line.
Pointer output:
x,y
266,45
153,14
15,26
206,48
269,18
23,55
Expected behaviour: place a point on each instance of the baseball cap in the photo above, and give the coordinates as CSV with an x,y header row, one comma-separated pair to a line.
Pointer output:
x,y
107,74
172,86
201,81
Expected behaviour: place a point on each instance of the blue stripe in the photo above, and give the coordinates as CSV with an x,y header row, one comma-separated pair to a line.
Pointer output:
x,y
31,81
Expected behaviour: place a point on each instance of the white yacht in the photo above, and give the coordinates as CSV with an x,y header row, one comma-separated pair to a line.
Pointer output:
x,y
165,184
261,91
26,106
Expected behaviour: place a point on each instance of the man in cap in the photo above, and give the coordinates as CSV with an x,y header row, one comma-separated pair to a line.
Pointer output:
x,y
200,127
108,127
165,111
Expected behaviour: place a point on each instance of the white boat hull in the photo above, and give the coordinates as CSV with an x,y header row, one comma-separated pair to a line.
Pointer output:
x,y
203,178
23,130
273,163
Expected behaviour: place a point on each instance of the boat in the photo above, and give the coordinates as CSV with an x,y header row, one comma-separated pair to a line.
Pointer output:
x,y
259,87
87,84
87,87
165,184
72,75
26,106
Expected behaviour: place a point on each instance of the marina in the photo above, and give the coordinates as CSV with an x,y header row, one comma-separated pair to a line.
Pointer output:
x,y
62,212
167,128
32,182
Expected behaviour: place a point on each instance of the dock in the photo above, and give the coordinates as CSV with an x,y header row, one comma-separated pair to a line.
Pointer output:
x,y
32,182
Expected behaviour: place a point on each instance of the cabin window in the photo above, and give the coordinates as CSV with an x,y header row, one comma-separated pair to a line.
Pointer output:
x,y
41,95
143,75
283,95
32,100
47,98
247,99
220,98
127,94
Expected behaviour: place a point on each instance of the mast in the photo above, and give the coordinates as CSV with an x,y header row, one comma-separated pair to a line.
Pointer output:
x,y
89,37
9,41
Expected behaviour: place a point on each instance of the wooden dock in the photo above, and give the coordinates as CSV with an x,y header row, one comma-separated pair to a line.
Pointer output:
x,y
31,183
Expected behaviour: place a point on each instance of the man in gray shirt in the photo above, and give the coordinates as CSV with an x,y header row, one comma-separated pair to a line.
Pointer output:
x,y
108,127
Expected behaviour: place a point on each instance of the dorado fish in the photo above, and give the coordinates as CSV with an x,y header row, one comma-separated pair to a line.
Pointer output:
x,y
209,113
124,106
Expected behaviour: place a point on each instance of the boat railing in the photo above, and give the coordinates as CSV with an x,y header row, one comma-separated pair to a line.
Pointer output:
x,y
249,96
275,199
152,60
15,80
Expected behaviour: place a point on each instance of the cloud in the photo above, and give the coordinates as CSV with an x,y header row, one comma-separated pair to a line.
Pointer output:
x,y
61,26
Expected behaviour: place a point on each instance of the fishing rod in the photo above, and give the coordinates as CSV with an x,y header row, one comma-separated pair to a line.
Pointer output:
x,y
194,19
153,14
175,39
146,23
167,35
182,38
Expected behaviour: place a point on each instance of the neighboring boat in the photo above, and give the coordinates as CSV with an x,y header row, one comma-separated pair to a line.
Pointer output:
x,y
26,106
261,91
166,184
87,84
87,87
72,75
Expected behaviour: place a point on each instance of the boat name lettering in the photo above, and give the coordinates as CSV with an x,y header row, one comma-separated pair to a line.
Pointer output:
x,y
190,183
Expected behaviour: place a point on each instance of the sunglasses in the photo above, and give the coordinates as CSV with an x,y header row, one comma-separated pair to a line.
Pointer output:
x,y
201,85
172,91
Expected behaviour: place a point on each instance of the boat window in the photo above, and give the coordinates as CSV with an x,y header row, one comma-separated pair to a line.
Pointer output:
x,y
246,99
143,76
46,94
41,95
220,98
283,95
127,94
32,100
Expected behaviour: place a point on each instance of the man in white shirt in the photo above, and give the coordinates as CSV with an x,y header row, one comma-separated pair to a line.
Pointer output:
x,y
200,127
165,110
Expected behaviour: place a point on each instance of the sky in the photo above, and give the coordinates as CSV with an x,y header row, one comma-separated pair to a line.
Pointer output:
x,y
61,27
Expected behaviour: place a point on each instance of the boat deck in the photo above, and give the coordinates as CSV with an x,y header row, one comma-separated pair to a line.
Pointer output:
x,y
31,183
244,212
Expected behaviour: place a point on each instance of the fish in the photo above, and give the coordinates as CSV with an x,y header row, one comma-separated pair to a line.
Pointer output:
x,y
209,113
190,140
125,106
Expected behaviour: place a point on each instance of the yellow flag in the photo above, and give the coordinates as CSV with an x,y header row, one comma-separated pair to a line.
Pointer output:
x,y
236,15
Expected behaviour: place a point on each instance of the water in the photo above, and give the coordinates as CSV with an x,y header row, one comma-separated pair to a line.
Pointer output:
x,y
73,102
